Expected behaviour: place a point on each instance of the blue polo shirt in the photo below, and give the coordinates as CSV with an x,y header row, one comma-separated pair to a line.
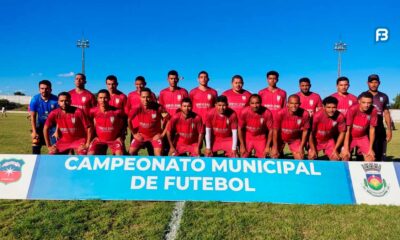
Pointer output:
x,y
42,108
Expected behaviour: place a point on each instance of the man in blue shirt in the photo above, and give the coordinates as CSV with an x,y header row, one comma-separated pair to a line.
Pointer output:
x,y
40,107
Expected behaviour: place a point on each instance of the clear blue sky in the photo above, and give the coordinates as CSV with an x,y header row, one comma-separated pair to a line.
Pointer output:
x,y
149,38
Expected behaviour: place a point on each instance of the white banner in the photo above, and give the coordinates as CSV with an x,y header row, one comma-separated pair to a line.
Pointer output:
x,y
374,183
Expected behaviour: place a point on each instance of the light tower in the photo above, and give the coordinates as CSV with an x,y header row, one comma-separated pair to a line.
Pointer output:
x,y
83,44
340,47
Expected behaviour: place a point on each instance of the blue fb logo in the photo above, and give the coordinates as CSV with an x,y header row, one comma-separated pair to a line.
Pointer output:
x,y
381,35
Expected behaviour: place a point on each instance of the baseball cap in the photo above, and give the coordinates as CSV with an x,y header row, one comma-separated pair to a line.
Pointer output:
x,y
373,77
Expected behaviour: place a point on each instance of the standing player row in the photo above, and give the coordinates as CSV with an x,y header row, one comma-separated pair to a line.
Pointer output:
x,y
204,98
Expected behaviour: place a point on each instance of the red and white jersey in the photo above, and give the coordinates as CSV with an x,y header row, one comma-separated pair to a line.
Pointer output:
x,y
186,130
273,100
133,101
84,100
345,102
311,103
203,101
118,100
291,125
361,121
325,128
237,101
256,123
148,121
171,100
222,124
72,124
108,125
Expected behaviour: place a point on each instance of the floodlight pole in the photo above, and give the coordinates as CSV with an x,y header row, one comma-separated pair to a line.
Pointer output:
x,y
83,44
340,47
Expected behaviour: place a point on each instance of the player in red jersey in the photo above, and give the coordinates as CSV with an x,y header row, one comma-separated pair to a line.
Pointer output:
x,y
345,99
185,131
309,101
203,97
80,97
221,129
381,103
361,121
238,98
255,129
109,123
134,96
75,128
171,97
273,97
325,125
117,98
291,124
146,123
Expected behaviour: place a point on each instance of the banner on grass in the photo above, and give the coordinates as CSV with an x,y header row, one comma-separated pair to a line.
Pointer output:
x,y
375,183
178,178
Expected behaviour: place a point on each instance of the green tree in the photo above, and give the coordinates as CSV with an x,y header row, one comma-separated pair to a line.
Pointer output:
x,y
8,105
396,104
19,93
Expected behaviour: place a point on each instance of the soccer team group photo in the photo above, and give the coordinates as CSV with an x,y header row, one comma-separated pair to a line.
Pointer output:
x,y
203,122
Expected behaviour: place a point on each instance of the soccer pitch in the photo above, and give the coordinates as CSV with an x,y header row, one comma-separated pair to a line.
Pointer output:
x,y
201,220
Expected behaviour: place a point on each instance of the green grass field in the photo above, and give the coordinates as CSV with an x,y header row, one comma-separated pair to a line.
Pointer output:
x,y
201,220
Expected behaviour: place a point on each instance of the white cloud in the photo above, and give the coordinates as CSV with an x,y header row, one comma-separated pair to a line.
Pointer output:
x,y
66,75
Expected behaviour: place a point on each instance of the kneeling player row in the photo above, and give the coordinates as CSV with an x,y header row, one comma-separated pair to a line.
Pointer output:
x,y
256,129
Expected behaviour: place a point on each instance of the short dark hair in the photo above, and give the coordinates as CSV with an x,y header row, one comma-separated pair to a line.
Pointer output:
x,y
103,91
173,72
145,90
343,78
82,74
112,78
140,78
64,94
275,73
330,100
202,72
222,98
237,76
255,95
305,79
365,95
45,82
294,96
187,100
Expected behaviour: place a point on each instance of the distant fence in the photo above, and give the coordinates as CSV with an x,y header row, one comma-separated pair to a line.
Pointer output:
x,y
395,113
17,99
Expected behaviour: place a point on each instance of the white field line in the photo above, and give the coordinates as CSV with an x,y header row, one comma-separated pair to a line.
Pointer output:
x,y
11,111
173,226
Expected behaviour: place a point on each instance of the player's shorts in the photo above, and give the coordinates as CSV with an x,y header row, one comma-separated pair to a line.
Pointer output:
x,y
362,143
186,148
41,142
258,144
100,147
140,144
223,144
294,146
327,146
63,147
